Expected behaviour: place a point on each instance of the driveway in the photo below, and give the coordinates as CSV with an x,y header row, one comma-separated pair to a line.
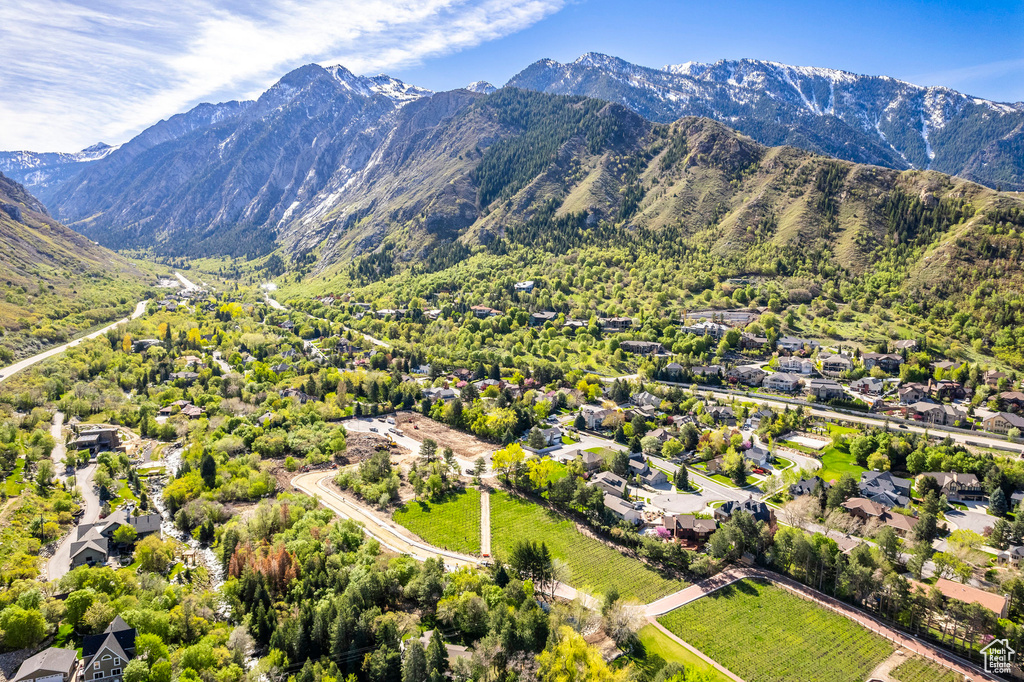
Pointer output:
x,y
977,521
60,562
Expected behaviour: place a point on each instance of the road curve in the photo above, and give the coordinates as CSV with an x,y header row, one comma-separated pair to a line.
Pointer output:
x,y
317,483
10,370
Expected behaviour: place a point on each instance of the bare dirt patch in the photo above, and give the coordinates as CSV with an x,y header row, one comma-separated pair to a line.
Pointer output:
x,y
466,446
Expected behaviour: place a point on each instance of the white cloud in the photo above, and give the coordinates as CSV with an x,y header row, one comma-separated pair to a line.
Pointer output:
x,y
80,71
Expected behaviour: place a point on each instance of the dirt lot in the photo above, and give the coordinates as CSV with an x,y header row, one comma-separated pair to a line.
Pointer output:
x,y
359,446
418,427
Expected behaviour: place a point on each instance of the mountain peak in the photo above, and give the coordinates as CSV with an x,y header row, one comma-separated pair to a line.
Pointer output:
x,y
483,87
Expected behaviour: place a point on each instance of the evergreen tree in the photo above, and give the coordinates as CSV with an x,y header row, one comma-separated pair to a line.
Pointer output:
x,y
997,503
414,667
437,659
208,470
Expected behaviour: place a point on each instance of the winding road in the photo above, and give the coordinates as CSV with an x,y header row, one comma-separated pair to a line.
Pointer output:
x,y
10,370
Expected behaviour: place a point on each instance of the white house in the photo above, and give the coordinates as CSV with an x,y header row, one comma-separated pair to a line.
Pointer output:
x,y
781,381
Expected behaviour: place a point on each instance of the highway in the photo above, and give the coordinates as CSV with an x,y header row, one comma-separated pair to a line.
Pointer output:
x,y
7,372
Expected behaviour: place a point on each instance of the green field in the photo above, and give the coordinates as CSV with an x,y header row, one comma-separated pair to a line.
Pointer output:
x,y
763,633
15,483
595,567
657,649
919,670
834,462
453,523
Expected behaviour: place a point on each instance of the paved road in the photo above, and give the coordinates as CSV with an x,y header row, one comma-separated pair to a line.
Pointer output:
x,y
7,372
389,534
60,562
224,366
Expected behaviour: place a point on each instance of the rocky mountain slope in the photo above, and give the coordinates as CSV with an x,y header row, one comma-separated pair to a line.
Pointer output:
x,y
866,119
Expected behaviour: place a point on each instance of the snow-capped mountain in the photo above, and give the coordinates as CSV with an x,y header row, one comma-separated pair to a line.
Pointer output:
x,y
483,87
868,119
40,168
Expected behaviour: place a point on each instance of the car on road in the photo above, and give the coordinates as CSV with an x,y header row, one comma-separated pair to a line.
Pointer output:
x,y
374,429
390,420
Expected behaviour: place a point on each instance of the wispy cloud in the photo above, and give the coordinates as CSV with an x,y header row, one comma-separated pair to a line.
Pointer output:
x,y
79,71
964,78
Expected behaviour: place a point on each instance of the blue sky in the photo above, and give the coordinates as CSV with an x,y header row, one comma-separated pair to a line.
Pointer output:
x,y
79,71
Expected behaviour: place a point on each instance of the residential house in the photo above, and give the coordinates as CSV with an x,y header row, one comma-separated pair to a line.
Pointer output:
x,y
192,411
302,397
454,651
552,436
750,341
792,344
104,656
280,368
615,324
90,549
992,377
661,434
887,362
646,474
714,466
759,510
591,460
1012,400
139,345
996,603
92,543
539,318
750,375
610,483
722,414
621,508
758,456
689,527
1012,555
933,413
946,365
674,370
868,510
49,665
868,385
833,364
706,371
796,365
912,393
884,488
905,344
642,347
525,286
594,416
808,486
440,393
1016,498
1002,422
958,487
187,377
645,399
573,324
946,389
712,329
96,440
781,381
483,311
824,389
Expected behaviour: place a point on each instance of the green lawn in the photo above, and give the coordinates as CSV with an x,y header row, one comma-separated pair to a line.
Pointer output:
x,y
763,633
594,566
725,480
15,483
453,523
608,454
783,463
920,670
656,649
124,493
834,461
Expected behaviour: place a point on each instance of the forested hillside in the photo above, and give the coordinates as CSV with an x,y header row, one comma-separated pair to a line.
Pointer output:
x,y
55,282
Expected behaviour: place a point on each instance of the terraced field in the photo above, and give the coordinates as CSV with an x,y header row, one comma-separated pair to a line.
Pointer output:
x,y
765,634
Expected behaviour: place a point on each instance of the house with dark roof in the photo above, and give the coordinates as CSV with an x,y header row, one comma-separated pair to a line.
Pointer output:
x,y
759,510
591,460
642,347
621,509
884,488
96,440
867,510
807,486
539,318
49,665
956,486
722,414
104,656
1002,422
610,483
689,528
